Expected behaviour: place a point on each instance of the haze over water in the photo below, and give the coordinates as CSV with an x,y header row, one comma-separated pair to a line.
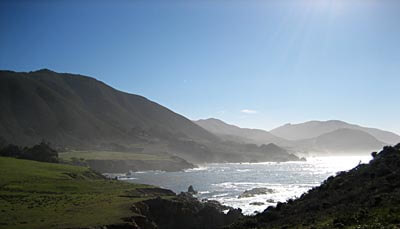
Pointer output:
x,y
226,181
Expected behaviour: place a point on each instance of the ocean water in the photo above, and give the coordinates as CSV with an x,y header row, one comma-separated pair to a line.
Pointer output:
x,y
224,182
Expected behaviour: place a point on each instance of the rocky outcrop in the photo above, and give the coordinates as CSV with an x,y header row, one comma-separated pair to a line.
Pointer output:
x,y
171,211
182,212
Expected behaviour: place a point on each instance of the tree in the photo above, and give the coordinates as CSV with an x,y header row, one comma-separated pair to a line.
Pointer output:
x,y
42,152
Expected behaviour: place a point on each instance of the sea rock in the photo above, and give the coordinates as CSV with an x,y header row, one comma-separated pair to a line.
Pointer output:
x,y
257,203
191,190
270,201
255,191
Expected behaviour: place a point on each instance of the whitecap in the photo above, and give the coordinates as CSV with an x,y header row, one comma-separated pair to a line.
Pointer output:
x,y
127,178
220,195
243,170
201,168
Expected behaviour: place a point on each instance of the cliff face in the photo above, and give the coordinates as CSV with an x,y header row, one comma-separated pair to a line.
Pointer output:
x,y
367,196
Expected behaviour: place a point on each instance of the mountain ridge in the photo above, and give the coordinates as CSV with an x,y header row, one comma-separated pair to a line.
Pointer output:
x,y
231,132
342,141
333,137
49,83
76,112
314,128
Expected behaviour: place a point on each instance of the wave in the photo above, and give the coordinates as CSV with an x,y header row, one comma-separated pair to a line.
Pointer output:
x,y
243,170
200,168
127,178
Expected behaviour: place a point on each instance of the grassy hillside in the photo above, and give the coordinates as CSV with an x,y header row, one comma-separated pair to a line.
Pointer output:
x,y
45,195
77,111
367,196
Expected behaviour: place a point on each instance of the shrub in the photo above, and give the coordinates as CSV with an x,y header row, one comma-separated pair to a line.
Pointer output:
x,y
40,152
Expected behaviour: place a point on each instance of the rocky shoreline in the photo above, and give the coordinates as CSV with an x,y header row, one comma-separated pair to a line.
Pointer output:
x,y
124,166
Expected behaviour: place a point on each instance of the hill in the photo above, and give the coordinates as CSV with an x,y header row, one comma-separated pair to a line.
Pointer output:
x,y
367,196
80,113
244,135
313,129
327,138
76,110
342,141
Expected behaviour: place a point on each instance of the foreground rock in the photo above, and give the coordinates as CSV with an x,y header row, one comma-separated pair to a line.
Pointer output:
x,y
255,191
367,196
182,212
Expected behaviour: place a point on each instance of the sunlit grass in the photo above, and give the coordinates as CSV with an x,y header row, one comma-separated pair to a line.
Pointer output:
x,y
44,195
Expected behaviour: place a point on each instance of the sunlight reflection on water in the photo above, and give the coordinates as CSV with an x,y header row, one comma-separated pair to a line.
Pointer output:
x,y
225,182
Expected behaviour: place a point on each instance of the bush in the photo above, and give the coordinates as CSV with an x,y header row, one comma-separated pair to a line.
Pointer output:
x,y
40,152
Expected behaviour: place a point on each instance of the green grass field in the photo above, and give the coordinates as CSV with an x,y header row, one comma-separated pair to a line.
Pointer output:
x,y
45,195
106,155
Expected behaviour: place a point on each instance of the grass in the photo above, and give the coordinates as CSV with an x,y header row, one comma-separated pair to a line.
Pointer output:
x,y
45,195
106,155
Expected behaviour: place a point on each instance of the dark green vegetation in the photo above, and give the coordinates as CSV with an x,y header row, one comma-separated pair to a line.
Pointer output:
x,y
75,112
40,152
47,195
367,196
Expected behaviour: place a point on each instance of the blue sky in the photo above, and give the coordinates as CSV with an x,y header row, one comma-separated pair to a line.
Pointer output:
x,y
253,63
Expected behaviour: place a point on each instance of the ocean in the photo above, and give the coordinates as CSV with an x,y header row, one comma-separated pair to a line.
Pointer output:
x,y
224,182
